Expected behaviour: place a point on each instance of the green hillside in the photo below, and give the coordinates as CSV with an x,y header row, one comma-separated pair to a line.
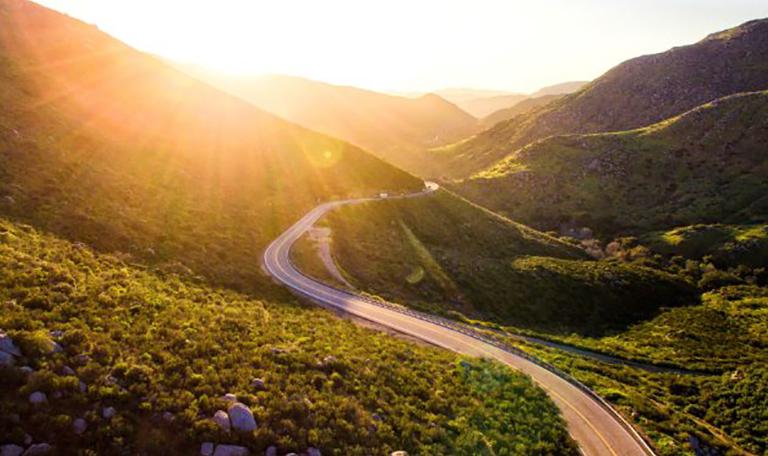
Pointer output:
x,y
162,350
636,93
443,255
705,166
108,146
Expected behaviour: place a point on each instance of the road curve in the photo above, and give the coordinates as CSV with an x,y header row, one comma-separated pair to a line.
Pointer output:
x,y
591,422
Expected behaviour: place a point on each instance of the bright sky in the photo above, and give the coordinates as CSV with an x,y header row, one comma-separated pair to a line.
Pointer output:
x,y
413,45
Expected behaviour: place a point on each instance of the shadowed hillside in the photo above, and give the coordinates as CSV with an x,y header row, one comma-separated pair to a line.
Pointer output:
x,y
105,145
706,166
636,93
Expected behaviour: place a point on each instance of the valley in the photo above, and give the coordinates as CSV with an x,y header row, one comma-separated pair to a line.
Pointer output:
x,y
210,259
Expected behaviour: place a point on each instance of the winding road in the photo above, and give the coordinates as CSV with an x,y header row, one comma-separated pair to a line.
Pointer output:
x,y
596,427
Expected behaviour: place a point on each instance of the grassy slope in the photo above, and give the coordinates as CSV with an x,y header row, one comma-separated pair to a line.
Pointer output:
x,y
172,344
706,166
442,254
634,94
102,144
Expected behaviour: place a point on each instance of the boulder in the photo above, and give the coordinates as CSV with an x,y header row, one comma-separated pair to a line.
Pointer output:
x,y
231,450
38,398
258,383
271,451
7,345
108,412
26,370
241,417
206,449
79,426
38,449
67,371
222,420
312,451
11,450
82,387
229,397
6,359
168,417
399,453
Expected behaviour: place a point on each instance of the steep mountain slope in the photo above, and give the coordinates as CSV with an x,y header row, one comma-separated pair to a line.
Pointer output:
x,y
105,145
395,128
634,94
444,255
522,107
706,166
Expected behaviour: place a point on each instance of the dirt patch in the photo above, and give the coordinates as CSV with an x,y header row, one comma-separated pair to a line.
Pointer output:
x,y
321,238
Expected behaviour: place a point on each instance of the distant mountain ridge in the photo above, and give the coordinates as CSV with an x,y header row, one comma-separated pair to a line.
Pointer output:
x,y
517,109
395,128
636,93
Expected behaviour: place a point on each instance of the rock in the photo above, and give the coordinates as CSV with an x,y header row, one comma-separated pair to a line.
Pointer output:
x,y
6,359
79,426
26,370
11,450
38,449
168,417
258,383
38,398
271,451
55,348
399,453
312,451
206,449
231,450
7,345
82,387
222,420
57,333
108,412
67,371
229,397
241,417
82,359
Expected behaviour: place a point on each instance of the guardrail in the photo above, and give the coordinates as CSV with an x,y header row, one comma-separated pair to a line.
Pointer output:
x,y
470,331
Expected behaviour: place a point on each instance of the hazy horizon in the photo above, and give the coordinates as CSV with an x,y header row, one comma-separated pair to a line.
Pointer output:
x,y
509,46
